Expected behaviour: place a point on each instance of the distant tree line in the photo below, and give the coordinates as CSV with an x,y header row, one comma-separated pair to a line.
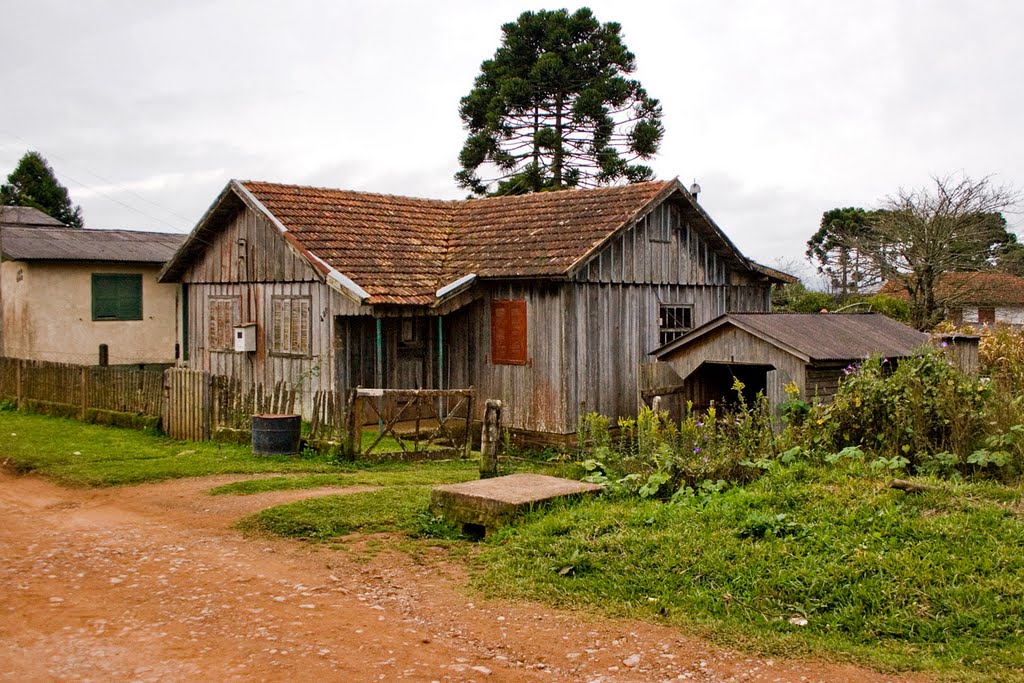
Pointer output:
x,y
916,236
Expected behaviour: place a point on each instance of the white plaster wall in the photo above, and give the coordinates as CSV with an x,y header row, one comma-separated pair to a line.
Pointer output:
x,y
1010,315
47,312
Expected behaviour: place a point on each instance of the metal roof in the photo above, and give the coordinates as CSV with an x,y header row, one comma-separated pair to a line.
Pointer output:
x,y
22,243
27,216
818,336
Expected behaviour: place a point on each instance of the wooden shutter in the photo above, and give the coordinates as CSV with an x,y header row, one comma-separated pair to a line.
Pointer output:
x,y
116,296
508,332
223,318
291,325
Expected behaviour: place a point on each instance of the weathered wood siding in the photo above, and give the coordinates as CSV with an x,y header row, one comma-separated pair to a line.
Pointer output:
x,y
822,382
534,395
663,248
613,306
731,345
249,262
249,249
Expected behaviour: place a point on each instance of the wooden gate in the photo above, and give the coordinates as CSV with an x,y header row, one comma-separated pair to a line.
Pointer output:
x,y
443,433
187,404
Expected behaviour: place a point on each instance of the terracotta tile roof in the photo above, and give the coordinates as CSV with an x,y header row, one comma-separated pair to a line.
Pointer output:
x,y
393,247
401,250
544,233
971,289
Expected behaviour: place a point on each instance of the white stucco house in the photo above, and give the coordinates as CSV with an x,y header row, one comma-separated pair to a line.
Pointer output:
x,y
84,296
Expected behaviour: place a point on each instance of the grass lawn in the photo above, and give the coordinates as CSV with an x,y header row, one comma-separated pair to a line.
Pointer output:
x,y
382,474
78,454
807,560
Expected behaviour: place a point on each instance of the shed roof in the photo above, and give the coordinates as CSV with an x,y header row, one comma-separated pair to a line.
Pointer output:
x,y
23,243
27,216
817,336
401,250
971,289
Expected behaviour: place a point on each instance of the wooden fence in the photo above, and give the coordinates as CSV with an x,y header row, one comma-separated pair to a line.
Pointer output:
x,y
80,390
199,405
196,406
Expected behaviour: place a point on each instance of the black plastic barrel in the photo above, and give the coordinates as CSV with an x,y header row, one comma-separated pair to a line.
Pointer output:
x,y
276,434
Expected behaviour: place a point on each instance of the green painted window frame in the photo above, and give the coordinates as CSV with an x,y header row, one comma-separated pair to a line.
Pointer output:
x,y
116,296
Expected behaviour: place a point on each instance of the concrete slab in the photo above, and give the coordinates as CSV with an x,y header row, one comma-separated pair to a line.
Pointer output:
x,y
484,505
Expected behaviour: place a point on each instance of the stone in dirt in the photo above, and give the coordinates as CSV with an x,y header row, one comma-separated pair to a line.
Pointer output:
x,y
486,504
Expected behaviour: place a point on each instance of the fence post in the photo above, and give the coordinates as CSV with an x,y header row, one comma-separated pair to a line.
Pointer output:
x,y
469,422
489,439
17,383
351,438
83,378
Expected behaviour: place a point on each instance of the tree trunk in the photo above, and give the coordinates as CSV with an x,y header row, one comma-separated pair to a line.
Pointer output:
x,y
557,160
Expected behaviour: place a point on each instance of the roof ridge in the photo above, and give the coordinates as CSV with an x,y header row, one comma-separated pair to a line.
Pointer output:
x,y
471,201
364,193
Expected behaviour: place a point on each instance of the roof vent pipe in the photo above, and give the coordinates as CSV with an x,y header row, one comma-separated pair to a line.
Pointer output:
x,y
694,189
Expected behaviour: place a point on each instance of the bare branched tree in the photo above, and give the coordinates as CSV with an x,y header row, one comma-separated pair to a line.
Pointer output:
x,y
942,228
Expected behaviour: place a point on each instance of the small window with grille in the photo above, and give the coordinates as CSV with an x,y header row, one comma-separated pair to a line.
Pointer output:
x,y
674,321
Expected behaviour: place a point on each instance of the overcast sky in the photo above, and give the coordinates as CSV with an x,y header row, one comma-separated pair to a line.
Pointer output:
x,y
780,110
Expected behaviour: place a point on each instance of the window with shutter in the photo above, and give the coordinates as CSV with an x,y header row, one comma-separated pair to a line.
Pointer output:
x,y
508,332
116,296
223,312
290,325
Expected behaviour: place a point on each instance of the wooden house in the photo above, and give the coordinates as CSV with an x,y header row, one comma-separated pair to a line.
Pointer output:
x,y
84,296
767,352
547,301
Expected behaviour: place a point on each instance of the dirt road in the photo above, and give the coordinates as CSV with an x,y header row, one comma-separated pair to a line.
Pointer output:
x,y
151,583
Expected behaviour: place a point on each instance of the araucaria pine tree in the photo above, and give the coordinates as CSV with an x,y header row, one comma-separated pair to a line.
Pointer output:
x,y
554,109
33,183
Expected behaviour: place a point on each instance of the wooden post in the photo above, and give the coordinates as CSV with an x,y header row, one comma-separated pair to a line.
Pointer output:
x,y
351,437
489,439
17,383
82,391
469,422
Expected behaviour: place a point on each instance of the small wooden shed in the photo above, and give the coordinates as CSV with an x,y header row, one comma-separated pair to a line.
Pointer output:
x,y
766,351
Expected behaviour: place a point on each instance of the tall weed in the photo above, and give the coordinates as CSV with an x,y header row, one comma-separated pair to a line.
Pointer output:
x,y
656,456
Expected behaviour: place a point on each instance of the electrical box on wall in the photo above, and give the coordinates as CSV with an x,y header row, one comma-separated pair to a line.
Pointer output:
x,y
245,338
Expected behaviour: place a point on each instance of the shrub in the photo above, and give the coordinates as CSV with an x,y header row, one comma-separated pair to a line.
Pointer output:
x,y
923,415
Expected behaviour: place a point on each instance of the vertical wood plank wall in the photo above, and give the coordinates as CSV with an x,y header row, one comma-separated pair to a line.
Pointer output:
x,y
585,337
250,262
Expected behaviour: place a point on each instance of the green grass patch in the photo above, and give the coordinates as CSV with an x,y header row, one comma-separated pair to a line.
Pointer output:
x,y
80,454
395,509
900,582
384,474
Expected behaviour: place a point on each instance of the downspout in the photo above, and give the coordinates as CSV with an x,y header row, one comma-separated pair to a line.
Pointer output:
x,y
440,364
380,370
440,352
